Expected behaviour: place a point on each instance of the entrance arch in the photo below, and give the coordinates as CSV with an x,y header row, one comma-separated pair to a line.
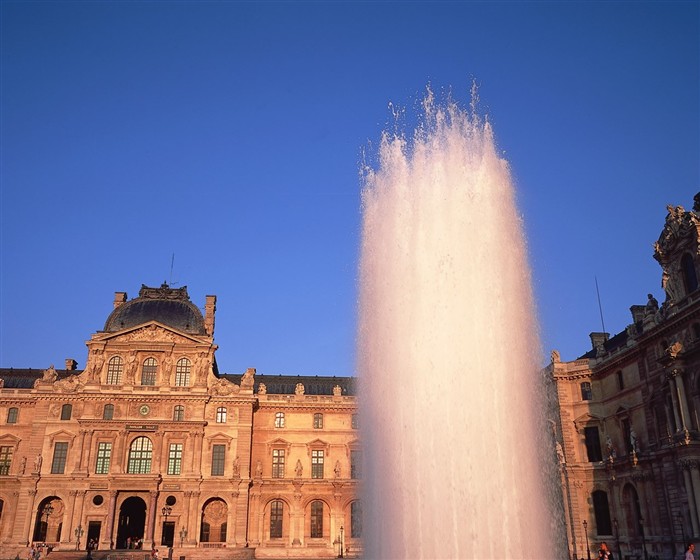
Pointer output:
x,y
132,522
49,520
214,517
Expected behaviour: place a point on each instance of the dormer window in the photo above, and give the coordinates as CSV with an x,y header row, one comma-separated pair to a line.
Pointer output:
x,y
148,372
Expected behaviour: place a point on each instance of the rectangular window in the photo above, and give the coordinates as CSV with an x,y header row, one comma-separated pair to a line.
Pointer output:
x,y
355,422
593,444
108,412
104,455
317,463
217,460
12,415
355,464
60,453
66,411
221,415
278,463
279,420
316,519
5,459
586,392
175,458
318,421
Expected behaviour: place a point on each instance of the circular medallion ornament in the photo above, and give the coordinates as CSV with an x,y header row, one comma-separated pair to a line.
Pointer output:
x,y
144,410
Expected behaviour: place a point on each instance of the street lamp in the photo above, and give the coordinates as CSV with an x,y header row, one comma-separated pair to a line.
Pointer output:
x,y
342,544
183,535
78,533
585,529
48,510
644,544
617,537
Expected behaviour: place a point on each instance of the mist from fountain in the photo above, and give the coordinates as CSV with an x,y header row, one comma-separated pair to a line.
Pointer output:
x,y
457,453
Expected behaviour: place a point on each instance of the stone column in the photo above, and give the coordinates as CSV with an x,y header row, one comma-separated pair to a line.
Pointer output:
x,y
119,464
108,535
86,455
674,399
194,517
683,401
28,517
81,446
151,517
231,519
71,518
692,507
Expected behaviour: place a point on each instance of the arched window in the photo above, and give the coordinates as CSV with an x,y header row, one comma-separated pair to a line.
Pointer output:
x,y
179,413
108,412
140,455
690,278
12,415
182,372
601,511
66,411
316,519
279,420
276,511
586,391
115,367
356,520
221,415
148,372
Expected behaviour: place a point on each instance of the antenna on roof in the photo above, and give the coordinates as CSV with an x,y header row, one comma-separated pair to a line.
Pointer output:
x,y
172,264
600,307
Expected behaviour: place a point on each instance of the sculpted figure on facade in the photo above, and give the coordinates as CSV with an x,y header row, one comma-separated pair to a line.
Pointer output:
x,y
70,384
131,367
262,389
336,469
555,356
673,350
37,463
49,376
299,389
237,467
248,379
337,391
258,469
223,387
23,465
299,469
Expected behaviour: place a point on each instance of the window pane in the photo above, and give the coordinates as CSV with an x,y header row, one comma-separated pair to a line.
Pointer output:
x,y
316,519
221,415
108,412
601,511
586,392
5,459
318,421
175,458
104,454
316,464
182,373
12,415
355,422
114,371
60,452
217,460
276,510
279,420
148,372
66,411
140,456
355,464
356,520
278,463
179,413
593,444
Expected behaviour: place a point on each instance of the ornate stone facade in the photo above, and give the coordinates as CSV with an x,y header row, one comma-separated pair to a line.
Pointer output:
x,y
150,445
628,422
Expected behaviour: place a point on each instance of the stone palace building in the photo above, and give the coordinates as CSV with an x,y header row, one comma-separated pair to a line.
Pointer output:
x,y
628,428
150,445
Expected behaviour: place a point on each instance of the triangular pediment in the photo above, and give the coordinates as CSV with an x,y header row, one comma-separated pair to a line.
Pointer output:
x,y
586,420
60,435
220,437
278,443
152,331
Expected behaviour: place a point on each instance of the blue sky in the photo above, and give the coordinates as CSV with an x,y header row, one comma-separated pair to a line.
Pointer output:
x,y
231,134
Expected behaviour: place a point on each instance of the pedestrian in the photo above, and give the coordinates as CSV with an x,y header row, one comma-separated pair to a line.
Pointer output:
x,y
689,552
604,552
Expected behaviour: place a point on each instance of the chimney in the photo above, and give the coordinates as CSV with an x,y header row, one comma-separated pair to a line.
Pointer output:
x,y
71,364
598,339
209,312
119,299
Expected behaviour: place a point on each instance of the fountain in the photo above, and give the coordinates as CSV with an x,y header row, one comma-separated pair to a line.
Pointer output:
x,y
449,356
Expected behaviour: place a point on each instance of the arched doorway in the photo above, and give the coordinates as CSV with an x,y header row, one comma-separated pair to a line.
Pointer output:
x,y
132,522
214,521
49,520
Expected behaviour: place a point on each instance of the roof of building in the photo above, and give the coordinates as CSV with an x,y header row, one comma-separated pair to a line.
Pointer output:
x,y
169,306
313,384
24,378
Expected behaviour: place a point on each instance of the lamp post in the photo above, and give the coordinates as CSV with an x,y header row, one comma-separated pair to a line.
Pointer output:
x,y
48,510
342,543
588,549
183,535
617,537
78,533
166,511
644,544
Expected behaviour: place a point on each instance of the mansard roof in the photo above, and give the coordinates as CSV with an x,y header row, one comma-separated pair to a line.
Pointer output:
x,y
169,306
286,384
24,378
